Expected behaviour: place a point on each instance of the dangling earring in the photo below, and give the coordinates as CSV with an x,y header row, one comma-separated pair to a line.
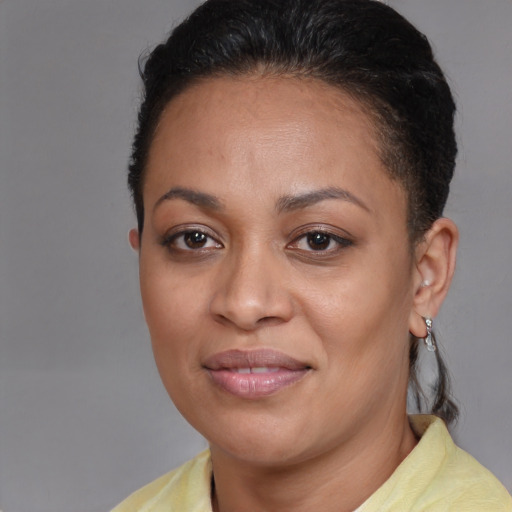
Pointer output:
x,y
429,339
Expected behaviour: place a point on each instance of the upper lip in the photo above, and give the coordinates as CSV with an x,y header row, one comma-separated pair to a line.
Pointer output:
x,y
262,358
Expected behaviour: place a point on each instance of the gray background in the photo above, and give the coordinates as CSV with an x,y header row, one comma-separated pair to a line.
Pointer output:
x,y
84,419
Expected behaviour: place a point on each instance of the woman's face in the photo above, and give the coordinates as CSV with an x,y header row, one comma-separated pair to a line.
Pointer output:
x,y
275,268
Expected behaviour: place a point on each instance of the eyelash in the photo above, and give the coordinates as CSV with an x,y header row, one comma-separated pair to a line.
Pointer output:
x,y
170,242
329,237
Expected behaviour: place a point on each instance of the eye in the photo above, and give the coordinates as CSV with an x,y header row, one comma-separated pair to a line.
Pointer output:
x,y
190,240
320,241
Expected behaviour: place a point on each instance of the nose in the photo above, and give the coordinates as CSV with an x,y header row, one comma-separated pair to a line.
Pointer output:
x,y
252,291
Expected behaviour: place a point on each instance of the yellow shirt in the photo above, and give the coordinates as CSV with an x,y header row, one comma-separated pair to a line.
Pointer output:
x,y
435,476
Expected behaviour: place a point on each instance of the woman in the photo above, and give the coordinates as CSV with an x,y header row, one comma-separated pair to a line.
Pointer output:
x,y
289,174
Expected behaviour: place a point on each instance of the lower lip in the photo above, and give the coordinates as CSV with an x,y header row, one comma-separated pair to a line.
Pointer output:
x,y
256,385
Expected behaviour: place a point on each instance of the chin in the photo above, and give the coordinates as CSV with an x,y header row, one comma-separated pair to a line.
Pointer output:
x,y
260,441
262,452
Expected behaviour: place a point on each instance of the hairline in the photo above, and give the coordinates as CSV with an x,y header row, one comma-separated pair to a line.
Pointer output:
x,y
367,101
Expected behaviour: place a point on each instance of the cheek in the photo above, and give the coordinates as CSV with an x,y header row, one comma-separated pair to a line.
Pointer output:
x,y
362,316
365,342
173,314
172,309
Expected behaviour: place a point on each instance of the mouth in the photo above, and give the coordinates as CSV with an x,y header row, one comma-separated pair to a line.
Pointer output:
x,y
254,374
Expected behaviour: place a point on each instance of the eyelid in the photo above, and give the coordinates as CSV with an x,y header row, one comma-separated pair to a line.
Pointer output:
x,y
182,229
327,229
340,236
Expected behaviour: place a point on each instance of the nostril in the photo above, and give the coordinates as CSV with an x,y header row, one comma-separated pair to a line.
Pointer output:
x,y
270,320
248,297
248,324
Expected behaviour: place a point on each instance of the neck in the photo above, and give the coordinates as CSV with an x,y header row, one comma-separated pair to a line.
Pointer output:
x,y
339,480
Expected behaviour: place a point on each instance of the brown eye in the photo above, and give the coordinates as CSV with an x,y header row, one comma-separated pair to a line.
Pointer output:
x,y
195,239
318,241
325,243
190,240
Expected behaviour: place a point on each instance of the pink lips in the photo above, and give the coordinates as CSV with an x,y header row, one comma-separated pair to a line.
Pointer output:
x,y
254,374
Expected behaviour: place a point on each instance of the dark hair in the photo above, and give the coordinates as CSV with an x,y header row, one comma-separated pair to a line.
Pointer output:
x,y
363,47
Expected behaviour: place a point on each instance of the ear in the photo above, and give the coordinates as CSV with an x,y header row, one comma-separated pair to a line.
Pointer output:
x,y
133,237
435,265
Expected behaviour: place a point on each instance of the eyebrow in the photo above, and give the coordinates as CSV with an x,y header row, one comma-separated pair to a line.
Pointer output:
x,y
200,199
291,203
284,204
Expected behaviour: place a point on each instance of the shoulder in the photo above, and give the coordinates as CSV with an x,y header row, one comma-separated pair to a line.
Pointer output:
x,y
464,484
461,482
439,476
185,488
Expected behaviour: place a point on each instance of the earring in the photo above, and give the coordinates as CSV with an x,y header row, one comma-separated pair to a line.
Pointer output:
x,y
429,339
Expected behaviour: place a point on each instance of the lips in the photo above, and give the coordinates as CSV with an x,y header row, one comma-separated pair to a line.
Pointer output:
x,y
254,374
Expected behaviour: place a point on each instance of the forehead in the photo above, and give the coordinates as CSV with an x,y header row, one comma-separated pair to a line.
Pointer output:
x,y
264,103
279,134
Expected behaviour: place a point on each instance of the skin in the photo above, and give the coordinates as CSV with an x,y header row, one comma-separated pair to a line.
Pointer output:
x,y
255,280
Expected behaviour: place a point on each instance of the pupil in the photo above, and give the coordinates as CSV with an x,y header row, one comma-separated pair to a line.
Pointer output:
x,y
318,241
195,239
